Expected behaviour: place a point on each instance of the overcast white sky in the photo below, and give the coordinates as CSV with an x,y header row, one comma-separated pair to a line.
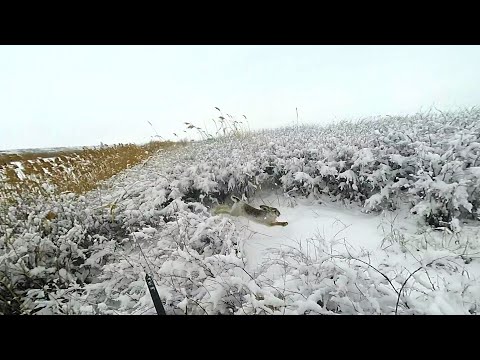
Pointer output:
x,y
83,95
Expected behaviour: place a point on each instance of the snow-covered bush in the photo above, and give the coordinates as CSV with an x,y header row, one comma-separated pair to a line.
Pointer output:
x,y
429,160
45,246
293,281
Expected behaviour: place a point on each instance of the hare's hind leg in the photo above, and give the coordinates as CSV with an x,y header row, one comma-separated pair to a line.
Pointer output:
x,y
221,209
281,223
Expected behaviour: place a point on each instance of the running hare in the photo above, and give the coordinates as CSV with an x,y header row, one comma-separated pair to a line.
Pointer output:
x,y
266,215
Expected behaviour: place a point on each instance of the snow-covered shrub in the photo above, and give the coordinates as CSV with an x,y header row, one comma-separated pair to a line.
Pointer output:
x,y
192,258
324,285
44,249
294,282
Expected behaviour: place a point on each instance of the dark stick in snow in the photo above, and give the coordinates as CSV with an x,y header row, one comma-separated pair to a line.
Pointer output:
x,y
155,297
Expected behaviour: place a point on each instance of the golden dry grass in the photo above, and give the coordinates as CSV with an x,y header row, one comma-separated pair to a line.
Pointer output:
x,y
76,171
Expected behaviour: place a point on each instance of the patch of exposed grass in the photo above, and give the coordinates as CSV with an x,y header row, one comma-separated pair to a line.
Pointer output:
x,y
76,171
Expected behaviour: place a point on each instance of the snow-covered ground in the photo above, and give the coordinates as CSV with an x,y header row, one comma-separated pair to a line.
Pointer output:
x,y
383,219
42,150
309,220
389,242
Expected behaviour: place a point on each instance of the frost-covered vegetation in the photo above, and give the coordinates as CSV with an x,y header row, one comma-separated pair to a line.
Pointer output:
x,y
70,254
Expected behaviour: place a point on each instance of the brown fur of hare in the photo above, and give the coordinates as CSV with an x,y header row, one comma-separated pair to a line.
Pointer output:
x,y
266,215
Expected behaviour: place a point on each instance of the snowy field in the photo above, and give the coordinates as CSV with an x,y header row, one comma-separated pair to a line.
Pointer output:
x,y
383,218
311,220
392,242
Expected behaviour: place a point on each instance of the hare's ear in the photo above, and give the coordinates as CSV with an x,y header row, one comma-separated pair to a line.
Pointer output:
x,y
264,207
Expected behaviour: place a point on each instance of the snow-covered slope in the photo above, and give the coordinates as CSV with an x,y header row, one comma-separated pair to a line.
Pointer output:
x,y
383,219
